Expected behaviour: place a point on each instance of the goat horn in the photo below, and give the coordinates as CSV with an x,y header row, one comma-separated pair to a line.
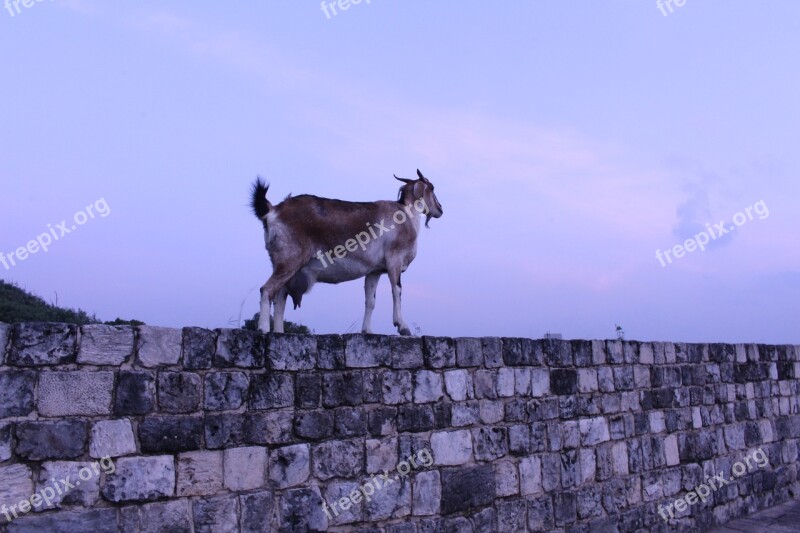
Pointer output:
x,y
404,180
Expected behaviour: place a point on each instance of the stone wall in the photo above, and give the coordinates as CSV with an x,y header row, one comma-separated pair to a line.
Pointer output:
x,y
227,430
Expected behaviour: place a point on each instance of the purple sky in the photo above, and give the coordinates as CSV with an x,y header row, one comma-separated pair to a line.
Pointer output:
x,y
567,144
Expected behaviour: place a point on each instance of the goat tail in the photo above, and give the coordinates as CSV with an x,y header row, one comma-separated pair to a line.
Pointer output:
x,y
258,199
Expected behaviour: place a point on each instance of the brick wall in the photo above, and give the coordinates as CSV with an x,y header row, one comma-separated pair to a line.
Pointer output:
x,y
227,430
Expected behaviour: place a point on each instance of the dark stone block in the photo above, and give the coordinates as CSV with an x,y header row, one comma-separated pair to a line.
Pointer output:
x,y
382,422
16,393
268,428
486,520
178,392
516,411
373,382
225,391
79,520
214,514
489,443
415,418
563,381
240,348
665,376
519,440
42,344
623,378
39,441
750,371
492,352
330,352
467,488
258,513
693,374
696,447
582,353
350,422
406,352
546,409
521,352
752,434
271,391
170,434
313,425
301,510
199,346
657,399
540,514
308,391
224,431
512,516
442,415
557,352
136,393
722,353
345,388
438,352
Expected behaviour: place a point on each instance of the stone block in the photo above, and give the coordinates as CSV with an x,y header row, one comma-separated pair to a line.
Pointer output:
x,y
63,394
41,440
427,386
199,346
381,455
290,466
169,434
42,344
17,393
406,352
135,394
200,473
292,352
158,347
467,488
245,468
427,493
105,345
240,348
225,391
215,514
112,438
179,392
366,351
451,448
174,516
302,510
271,391
140,479
469,352
338,459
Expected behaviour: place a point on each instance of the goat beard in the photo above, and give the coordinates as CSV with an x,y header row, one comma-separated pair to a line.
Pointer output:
x,y
428,219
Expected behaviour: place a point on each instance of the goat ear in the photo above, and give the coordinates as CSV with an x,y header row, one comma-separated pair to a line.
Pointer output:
x,y
423,178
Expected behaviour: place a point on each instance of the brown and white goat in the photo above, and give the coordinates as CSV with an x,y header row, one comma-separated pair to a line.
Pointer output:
x,y
312,239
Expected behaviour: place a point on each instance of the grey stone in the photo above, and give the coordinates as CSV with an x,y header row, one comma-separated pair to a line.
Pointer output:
x,y
313,425
427,493
330,352
308,390
94,520
397,388
366,351
467,488
172,517
179,392
301,510
292,352
594,430
200,473
439,352
465,414
540,514
4,329
225,390
391,501
5,442
85,478
112,438
240,348
105,345
491,411
381,455
342,388
540,382
350,422
451,447
135,393
469,352
17,484
485,383
17,393
506,479
512,516
140,478
42,344
505,382
342,507
245,468
427,386
490,443
492,352
271,391
458,384
406,352
215,514
258,513
530,476
51,440
157,347
75,393
290,466
199,346
338,459
168,434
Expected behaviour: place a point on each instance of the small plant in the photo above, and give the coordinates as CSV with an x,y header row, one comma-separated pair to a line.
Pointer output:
x,y
620,332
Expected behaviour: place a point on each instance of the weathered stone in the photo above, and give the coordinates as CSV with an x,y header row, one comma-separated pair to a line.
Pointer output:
x,y
338,459
308,391
381,455
140,478
451,447
175,517
439,352
245,468
671,450
485,383
415,418
301,510
94,520
520,352
51,440
490,443
75,393
512,516
224,431
5,442
397,387
157,347
4,335
112,438
313,425
271,391
343,509
199,346
406,352
17,393
168,434
469,351
200,473
342,388
564,381
85,478
290,466
594,430
42,344
366,351
565,508
350,422
506,479
540,382
179,392
382,421
240,348
530,476
225,391
105,345
135,394
427,493
458,384
427,386
292,352
215,514
258,513
505,382
467,488
17,484
391,501
540,514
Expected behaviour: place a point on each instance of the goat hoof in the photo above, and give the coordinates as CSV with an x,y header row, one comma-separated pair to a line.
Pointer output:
x,y
405,331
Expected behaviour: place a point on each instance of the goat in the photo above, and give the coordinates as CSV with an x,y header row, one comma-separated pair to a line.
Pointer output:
x,y
299,230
